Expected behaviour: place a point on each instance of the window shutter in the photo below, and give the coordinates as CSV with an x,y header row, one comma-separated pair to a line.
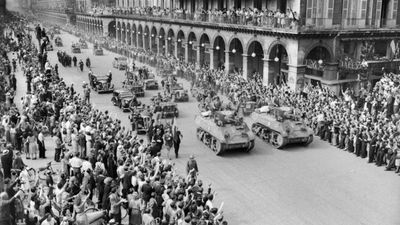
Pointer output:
x,y
337,12
398,15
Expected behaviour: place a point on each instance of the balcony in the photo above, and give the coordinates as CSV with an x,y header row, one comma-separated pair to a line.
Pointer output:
x,y
281,23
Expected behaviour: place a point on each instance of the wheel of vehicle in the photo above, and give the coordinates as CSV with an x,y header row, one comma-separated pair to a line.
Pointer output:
x,y
310,139
218,147
251,146
199,134
277,140
254,128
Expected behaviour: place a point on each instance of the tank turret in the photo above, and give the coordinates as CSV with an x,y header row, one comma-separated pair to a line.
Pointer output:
x,y
222,131
280,127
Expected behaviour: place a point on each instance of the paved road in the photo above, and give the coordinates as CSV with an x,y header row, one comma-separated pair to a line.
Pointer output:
x,y
318,184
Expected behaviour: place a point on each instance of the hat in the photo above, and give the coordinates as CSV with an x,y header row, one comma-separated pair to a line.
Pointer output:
x,y
192,156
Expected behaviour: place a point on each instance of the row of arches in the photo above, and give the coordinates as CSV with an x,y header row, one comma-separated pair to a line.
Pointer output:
x,y
219,51
91,25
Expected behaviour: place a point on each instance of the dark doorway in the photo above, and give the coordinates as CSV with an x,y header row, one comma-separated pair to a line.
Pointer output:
x,y
220,4
257,4
181,2
237,4
282,5
205,5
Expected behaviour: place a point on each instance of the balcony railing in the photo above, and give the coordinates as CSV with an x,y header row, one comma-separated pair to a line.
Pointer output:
x,y
259,21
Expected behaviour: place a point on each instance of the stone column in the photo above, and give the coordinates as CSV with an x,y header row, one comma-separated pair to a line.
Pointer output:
x,y
176,49
186,52
150,42
245,66
198,52
211,58
166,46
159,45
296,77
267,69
227,62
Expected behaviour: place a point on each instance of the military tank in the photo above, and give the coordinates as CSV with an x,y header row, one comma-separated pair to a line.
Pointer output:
x,y
221,131
278,126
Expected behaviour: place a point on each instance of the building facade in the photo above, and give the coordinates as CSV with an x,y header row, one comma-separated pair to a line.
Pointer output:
x,y
333,43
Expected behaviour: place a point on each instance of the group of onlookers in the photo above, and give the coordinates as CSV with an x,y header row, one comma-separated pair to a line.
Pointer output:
x,y
245,16
104,166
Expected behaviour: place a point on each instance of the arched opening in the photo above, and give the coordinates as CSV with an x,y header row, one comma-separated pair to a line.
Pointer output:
x,y
128,34
101,28
219,53
153,38
134,40
140,37
180,40
235,56
171,43
204,46
147,37
255,63
161,39
192,56
123,33
278,65
118,33
315,61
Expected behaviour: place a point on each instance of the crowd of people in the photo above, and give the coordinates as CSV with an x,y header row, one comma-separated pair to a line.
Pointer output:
x,y
363,122
106,171
245,16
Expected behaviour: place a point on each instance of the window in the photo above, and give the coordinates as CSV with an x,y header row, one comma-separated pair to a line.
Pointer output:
x,y
330,9
395,7
345,7
363,9
309,9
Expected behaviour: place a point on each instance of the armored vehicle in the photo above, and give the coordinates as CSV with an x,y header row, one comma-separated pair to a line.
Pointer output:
x,y
181,96
222,131
97,49
151,84
120,63
75,48
83,44
101,84
166,110
124,99
137,90
278,126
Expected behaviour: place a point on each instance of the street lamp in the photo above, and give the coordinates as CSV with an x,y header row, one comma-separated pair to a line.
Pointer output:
x,y
152,35
217,47
276,59
253,54
160,36
190,42
169,38
179,40
320,61
233,51
202,44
